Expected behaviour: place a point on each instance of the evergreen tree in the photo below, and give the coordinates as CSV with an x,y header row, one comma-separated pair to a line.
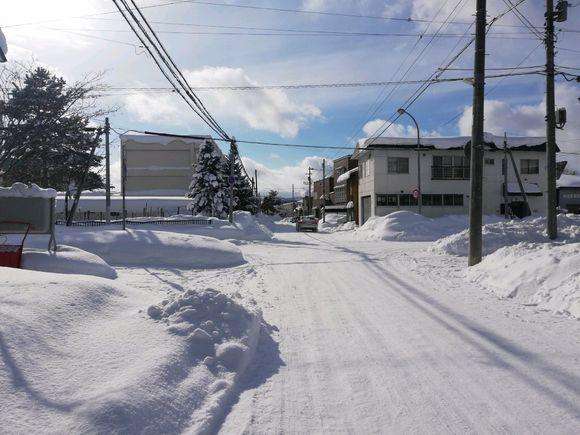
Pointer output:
x,y
270,202
45,139
208,189
244,198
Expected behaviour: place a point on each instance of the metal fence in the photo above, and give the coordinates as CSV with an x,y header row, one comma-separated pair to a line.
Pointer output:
x,y
129,222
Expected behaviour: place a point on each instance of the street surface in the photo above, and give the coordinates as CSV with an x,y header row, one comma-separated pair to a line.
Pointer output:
x,y
372,339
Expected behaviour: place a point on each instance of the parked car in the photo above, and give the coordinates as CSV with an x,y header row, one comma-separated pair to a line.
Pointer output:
x,y
307,223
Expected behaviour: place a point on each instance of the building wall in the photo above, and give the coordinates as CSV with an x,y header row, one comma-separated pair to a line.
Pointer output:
x,y
374,179
159,166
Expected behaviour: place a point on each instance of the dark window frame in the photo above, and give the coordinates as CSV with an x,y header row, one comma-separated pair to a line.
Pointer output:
x,y
397,165
531,166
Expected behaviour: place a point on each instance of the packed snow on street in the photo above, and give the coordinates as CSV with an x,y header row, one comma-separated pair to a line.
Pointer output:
x,y
254,328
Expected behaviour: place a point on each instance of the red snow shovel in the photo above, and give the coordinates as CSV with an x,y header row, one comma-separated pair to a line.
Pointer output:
x,y
11,255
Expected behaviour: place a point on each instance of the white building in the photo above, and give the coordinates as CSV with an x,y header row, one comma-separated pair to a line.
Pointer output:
x,y
159,165
388,175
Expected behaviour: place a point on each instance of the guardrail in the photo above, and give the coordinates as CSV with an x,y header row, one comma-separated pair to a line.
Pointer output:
x,y
99,223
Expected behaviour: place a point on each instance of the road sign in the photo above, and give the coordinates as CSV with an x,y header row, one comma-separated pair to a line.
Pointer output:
x,y
416,193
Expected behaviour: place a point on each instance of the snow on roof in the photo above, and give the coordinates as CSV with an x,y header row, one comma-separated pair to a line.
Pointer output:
x,y
452,142
147,138
530,188
344,177
21,190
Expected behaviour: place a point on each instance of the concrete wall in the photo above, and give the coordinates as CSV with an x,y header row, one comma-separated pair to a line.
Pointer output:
x,y
379,181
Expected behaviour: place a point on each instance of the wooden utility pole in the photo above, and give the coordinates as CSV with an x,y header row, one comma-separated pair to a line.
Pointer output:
x,y
107,172
309,190
231,179
124,187
551,221
476,198
324,190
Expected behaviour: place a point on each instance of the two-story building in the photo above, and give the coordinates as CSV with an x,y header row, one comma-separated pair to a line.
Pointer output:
x,y
389,179
345,194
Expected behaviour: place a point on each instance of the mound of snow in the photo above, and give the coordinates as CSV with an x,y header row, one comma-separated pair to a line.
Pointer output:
x,y
335,222
505,233
222,332
544,275
154,248
21,190
79,356
67,259
251,226
409,226
246,227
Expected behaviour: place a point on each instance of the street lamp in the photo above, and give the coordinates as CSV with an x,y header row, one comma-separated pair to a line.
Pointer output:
x,y
3,47
402,111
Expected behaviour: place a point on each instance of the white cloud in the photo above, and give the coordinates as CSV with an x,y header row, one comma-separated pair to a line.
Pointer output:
x,y
529,120
283,178
267,109
157,108
395,130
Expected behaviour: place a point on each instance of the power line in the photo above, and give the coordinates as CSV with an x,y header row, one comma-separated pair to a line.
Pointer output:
x,y
240,6
257,31
423,88
324,85
380,100
160,56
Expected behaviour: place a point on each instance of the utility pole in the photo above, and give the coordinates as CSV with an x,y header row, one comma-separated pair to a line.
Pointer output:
x,y
231,179
107,172
476,197
551,221
504,167
124,187
309,190
324,190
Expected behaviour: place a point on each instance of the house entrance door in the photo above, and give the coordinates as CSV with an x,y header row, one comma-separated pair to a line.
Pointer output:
x,y
366,209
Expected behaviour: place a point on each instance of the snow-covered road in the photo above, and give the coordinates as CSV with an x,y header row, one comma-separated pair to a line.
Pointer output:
x,y
372,338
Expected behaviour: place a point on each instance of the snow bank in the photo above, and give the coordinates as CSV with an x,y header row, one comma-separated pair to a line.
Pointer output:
x,y
335,222
21,190
67,259
154,248
504,233
543,275
245,227
409,226
80,356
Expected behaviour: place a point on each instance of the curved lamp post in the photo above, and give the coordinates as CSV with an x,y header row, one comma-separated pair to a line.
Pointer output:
x,y
402,111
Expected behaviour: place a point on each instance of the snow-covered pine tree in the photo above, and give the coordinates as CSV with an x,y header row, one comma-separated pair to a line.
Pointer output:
x,y
245,199
208,189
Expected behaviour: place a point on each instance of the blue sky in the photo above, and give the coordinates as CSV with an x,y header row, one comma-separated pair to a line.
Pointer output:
x,y
311,116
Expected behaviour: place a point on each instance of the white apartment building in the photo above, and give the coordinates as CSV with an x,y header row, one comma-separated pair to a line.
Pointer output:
x,y
388,175
159,165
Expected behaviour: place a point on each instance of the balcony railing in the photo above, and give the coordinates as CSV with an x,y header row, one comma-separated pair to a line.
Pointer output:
x,y
450,172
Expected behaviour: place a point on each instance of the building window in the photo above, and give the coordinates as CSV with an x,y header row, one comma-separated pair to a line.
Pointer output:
x,y
383,200
489,161
450,168
398,165
396,200
530,166
447,200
